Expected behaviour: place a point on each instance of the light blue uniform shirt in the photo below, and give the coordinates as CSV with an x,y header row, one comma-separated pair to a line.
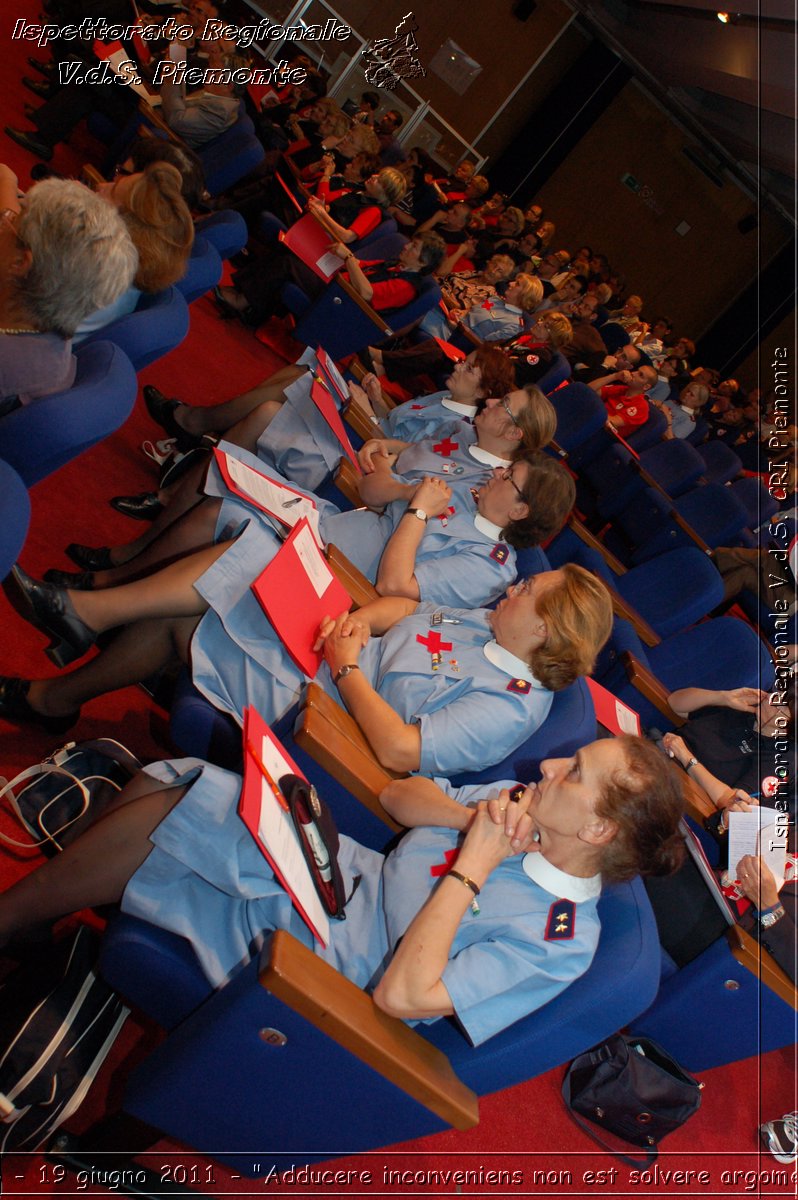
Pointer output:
x,y
206,880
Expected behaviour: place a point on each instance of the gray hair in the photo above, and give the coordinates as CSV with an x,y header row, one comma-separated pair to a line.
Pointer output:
x,y
83,258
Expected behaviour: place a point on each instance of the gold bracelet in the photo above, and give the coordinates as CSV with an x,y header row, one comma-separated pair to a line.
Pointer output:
x,y
464,879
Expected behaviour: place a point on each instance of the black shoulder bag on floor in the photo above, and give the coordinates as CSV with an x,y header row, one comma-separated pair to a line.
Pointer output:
x,y
631,1087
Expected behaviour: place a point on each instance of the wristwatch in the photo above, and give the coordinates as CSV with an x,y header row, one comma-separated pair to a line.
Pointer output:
x,y
417,512
346,670
692,762
769,916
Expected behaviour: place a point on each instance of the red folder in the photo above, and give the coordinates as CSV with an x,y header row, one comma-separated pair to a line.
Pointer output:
x,y
327,407
451,352
296,590
332,376
291,196
281,502
310,242
265,814
611,712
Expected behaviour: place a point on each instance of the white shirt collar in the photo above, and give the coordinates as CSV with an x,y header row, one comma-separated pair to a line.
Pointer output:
x,y
465,410
510,663
513,308
486,458
690,412
558,883
487,527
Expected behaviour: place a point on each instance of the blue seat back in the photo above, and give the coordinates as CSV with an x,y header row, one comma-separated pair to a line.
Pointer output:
x,y
39,438
203,270
558,372
14,517
158,323
580,415
350,1105
721,464
337,323
226,230
226,159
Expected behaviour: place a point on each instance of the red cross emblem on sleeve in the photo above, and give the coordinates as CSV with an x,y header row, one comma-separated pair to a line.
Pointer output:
x,y
487,304
446,447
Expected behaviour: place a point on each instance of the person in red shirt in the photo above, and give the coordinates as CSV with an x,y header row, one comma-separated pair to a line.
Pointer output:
x,y
624,396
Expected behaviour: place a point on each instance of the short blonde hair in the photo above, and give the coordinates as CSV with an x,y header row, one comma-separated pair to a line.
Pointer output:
x,y
546,231
560,328
517,217
537,420
578,617
393,184
531,291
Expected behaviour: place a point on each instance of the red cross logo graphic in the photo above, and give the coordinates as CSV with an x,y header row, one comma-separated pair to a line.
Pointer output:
x,y
487,304
444,516
446,447
433,642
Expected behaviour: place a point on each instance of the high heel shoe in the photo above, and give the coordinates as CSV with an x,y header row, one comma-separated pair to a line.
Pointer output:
x,y
51,609
14,706
162,409
77,581
90,558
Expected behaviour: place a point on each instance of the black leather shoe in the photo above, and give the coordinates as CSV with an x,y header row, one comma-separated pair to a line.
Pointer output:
x,y
14,706
78,581
162,410
90,558
51,609
30,142
144,507
47,69
38,87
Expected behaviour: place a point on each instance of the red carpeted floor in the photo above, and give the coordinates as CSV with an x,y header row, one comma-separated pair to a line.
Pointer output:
x,y
524,1136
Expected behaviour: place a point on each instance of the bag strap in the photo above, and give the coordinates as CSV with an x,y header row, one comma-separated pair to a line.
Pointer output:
x,y
651,1155
45,768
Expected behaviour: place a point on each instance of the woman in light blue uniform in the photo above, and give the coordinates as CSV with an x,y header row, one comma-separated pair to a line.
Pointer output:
x,y
299,443
464,549
439,691
488,940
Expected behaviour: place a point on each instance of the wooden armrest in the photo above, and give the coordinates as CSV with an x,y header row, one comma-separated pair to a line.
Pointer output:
x,y
649,686
345,1013
91,176
750,954
361,590
621,609
347,481
698,803
362,424
358,370
336,742
364,306
679,520
469,335
590,539
155,118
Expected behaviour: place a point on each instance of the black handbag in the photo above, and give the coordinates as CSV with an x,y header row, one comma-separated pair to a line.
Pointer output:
x,y
631,1087
57,799
318,837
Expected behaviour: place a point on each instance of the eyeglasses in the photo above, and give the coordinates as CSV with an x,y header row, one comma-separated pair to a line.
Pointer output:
x,y
505,403
507,476
10,216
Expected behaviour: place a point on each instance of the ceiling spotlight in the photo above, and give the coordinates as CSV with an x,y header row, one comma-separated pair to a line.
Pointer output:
x,y
723,18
